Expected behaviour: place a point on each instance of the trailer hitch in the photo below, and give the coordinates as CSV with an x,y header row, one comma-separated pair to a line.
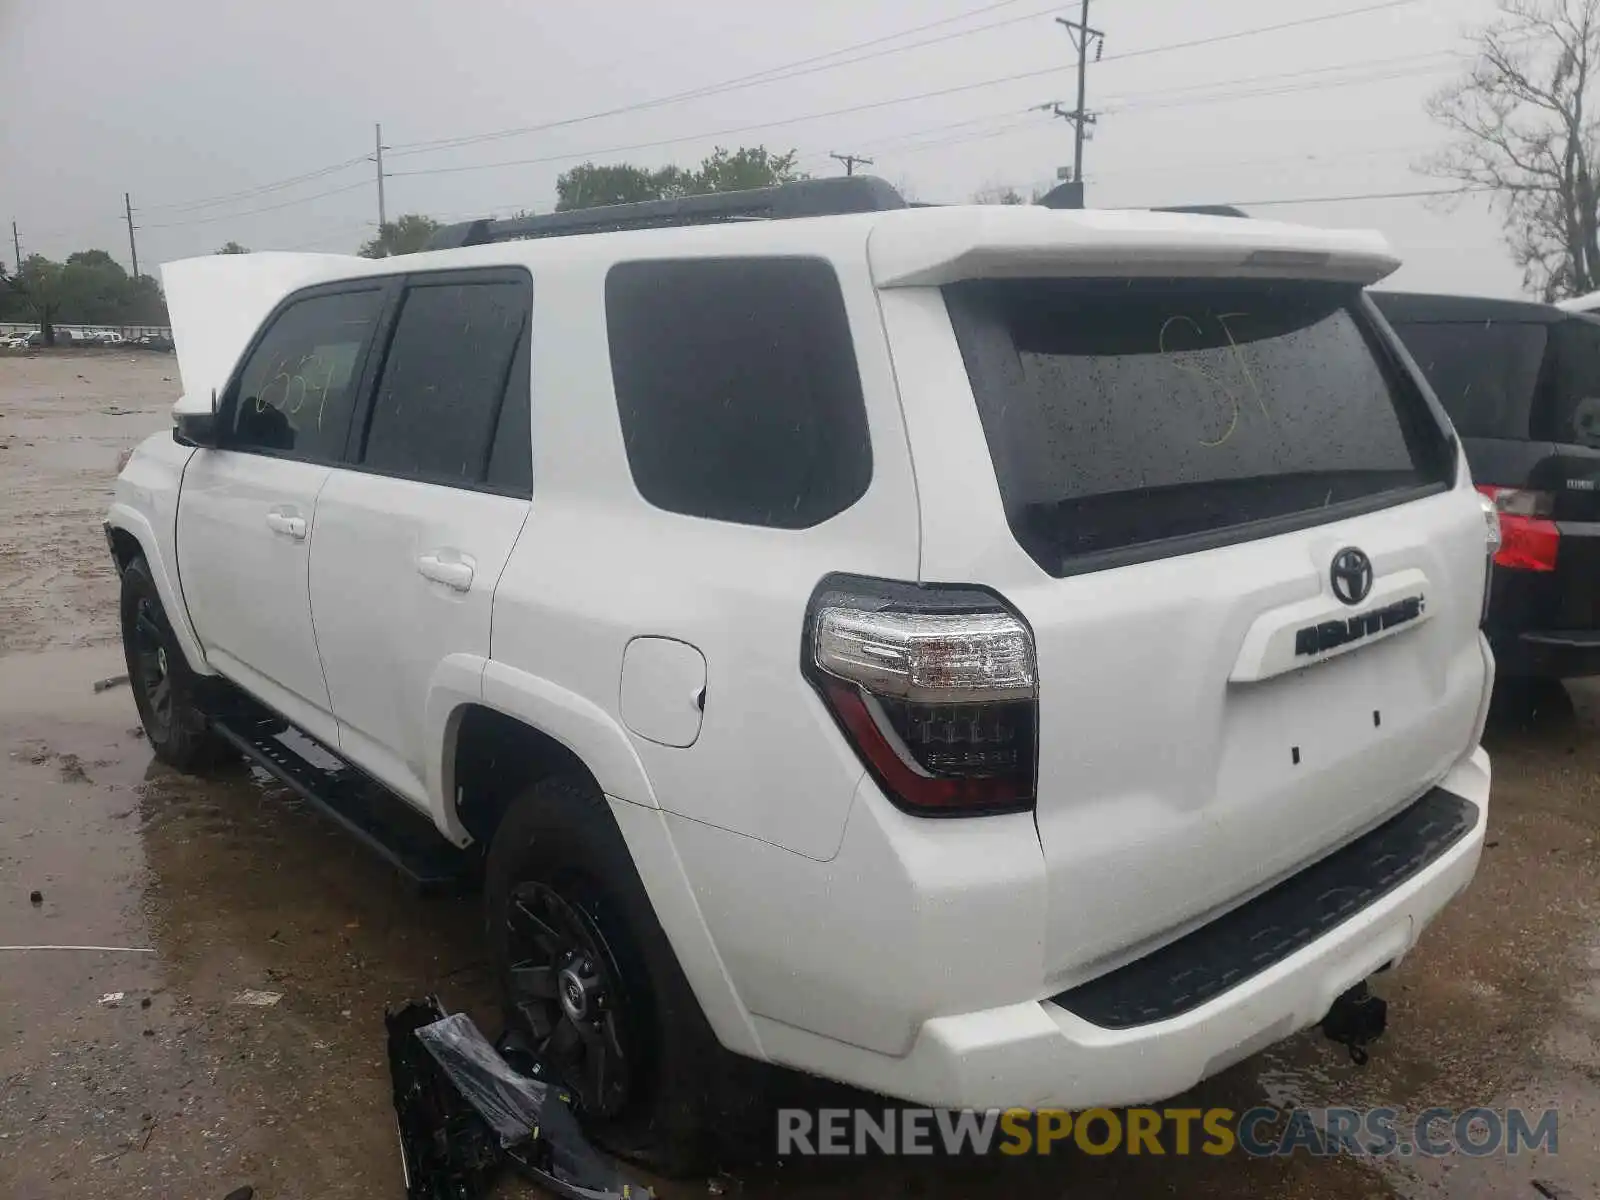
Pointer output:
x,y
1356,1020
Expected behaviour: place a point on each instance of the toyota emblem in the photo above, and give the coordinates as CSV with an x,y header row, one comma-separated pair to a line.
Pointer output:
x,y
1351,575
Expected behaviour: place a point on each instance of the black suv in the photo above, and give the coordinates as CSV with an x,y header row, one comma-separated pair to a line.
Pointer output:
x,y
1522,383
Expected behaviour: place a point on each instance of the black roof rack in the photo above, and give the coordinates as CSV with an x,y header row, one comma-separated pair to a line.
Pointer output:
x,y
806,198
1206,210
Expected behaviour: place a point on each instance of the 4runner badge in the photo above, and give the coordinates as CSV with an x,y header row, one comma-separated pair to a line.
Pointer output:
x,y
1330,635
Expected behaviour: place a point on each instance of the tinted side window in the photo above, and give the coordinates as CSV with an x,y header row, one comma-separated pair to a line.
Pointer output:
x,y
1575,416
511,460
438,398
296,391
737,387
1485,373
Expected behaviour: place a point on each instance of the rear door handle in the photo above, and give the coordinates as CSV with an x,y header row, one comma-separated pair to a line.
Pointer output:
x,y
287,524
446,567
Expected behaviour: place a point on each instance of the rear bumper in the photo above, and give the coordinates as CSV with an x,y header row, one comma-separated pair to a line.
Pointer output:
x,y
1553,654
1043,1054
1546,624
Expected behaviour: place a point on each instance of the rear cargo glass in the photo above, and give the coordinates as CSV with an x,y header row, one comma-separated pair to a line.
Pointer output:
x,y
1485,373
1128,419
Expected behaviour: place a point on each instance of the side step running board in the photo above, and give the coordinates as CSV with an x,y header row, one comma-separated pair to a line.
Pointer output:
x,y
381,821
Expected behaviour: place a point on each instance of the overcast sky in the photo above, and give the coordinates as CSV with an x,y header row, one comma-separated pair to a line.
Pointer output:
x,y
180,101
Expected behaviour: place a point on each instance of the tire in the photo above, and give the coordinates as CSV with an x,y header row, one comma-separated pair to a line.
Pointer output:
x,y
165,690
559,845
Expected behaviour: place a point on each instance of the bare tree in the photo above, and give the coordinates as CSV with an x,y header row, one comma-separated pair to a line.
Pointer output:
x,y
1523,131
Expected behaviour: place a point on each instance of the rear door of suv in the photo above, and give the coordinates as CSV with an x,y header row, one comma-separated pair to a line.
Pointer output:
x,y
1164,478
412,534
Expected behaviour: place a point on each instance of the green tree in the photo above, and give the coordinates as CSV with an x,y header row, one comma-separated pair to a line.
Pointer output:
x,y
144,303
97,259
404,235
233,248
39,282
591,186
745,168
999,194
93,288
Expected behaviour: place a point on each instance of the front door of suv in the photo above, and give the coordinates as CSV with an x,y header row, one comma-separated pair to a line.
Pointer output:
x,y
411,539
247,508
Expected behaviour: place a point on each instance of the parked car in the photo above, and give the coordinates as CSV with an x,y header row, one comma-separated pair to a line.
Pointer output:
x,y
990,656
1521,381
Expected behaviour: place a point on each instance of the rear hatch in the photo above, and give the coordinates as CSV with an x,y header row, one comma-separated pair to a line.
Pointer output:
x,y
1226,692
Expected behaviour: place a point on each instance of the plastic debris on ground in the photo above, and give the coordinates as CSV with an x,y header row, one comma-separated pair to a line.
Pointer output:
x,y
257,999
467,1112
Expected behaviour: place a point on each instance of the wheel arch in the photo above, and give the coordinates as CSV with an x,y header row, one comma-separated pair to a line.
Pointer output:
x,y
131,535
484,738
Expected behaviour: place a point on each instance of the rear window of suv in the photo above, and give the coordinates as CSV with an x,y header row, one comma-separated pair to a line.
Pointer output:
x,y
1132,418
1485,373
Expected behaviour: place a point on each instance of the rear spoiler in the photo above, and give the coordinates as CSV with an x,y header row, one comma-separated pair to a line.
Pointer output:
x,y
217,303
946,245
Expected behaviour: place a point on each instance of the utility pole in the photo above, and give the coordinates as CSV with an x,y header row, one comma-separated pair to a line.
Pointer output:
x,y
383,218
133,249
850,161
16,244
1083,37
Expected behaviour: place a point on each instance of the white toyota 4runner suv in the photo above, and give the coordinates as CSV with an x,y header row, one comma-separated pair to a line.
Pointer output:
x,y
991,656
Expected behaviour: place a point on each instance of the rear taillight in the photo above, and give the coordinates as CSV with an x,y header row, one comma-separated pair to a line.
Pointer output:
x,y
1529,540
936,688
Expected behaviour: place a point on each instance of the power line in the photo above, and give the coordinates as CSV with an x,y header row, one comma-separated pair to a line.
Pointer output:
x,y
1259,30
1115,106
869,106
1321,85
1454,191
910,135
777,74
250,193
349,187
1168,168
791,70
1003,131
837,112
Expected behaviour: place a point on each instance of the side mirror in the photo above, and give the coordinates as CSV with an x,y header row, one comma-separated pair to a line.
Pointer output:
x,y
199,429
196,429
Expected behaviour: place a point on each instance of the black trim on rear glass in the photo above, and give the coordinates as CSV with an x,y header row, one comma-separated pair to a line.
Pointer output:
x,y
1125,517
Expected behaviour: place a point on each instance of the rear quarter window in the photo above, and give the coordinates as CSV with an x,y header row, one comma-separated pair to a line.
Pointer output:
x,y
1575,392
1485,373
737,389
1128,419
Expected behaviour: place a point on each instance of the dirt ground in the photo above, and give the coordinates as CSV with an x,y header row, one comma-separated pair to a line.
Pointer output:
x,y
141,1074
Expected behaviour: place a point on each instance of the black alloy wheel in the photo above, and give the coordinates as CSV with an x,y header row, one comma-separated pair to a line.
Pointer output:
x,y
569,991
151,669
